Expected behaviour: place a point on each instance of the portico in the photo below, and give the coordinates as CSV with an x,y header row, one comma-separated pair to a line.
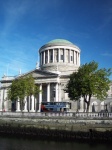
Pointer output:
x,y
33,104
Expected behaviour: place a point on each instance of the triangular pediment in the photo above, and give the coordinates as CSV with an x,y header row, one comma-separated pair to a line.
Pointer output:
x,y
37,73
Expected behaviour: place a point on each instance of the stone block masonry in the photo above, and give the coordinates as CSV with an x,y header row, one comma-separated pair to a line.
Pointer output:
x,y
55,129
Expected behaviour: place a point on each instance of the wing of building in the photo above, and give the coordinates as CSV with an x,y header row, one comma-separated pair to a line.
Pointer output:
x,y
58,59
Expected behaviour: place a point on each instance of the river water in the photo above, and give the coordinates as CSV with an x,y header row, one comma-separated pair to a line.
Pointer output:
x,y
26,144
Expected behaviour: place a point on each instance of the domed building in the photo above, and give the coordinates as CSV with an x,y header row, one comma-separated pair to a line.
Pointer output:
x,y
58,59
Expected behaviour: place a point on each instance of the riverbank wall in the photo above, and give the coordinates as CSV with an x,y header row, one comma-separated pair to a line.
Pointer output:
x,y
56,127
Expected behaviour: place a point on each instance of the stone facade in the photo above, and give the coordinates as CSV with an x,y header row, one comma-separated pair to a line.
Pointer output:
x,y
58,59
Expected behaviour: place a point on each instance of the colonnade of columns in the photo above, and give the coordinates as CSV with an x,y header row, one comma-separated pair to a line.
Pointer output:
x,y
49,55
31,101
32,104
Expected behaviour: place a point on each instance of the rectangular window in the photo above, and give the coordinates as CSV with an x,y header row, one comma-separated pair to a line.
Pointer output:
x,y
62,58
42,57
71,58
50,55
51,58
46,56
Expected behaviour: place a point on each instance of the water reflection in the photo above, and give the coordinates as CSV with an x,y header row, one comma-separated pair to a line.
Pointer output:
x,y
21,144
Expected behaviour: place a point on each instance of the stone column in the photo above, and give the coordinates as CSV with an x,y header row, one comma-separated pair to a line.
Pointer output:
x,y
57,98
18,106
58,54
53,55
74,57
32,106
6,102
64,55
69,55
48,55
44,58
25,105
29,102
77,58
48,92
40,97
35,102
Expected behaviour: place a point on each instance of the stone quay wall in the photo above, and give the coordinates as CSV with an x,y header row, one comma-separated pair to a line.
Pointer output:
x,y
57,126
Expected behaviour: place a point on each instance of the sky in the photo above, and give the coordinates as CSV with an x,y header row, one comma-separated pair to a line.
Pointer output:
x,y
26,25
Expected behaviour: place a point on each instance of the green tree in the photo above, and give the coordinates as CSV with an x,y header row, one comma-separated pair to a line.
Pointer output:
x,y
88,81
21,87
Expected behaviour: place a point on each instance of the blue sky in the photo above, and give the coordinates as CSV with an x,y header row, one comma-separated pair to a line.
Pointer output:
x,y
26,25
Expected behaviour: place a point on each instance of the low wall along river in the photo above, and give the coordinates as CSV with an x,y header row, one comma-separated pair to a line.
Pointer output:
x,y
57,126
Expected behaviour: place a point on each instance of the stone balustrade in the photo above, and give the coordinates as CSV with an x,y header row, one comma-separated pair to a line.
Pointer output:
x,y
76,115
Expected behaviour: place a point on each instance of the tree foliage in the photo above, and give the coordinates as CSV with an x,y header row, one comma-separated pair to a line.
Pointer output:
x,y
87,82
21,87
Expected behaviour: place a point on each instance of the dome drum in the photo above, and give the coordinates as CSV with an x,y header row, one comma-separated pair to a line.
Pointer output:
x,y
62,54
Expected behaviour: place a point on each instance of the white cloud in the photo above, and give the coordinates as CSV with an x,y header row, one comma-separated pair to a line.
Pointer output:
x,y
21,54
107,54
13,12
